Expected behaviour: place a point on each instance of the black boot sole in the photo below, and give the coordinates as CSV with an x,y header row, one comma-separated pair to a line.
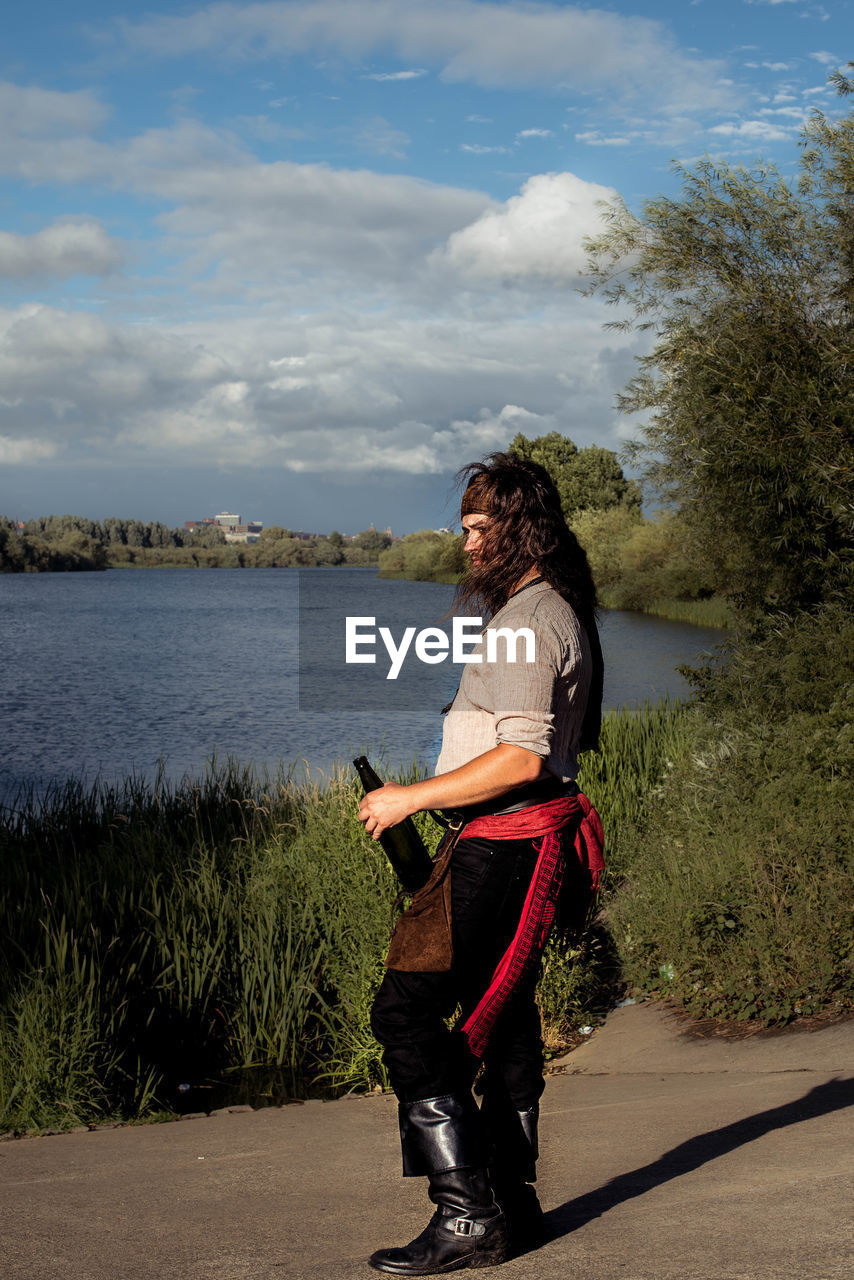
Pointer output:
x,y
472,1261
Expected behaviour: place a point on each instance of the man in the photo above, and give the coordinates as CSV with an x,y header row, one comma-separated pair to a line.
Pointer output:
x,y
507,769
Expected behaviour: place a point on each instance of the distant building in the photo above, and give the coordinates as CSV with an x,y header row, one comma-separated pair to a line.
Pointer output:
x,y
230,523
192,525
244,532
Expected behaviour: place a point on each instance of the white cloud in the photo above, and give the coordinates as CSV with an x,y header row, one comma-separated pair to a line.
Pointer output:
x,y
825,58
17,453
792,113
759,130
256,225
269,225
535,133
66,248
334,390
593,138
479,149
538,233
35,113
414,74
490,44
343,314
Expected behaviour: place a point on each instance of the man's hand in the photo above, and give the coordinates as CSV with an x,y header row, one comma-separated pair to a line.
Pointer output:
x,y
385,808
484,778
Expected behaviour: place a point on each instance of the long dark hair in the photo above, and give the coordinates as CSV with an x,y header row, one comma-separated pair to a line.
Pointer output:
x,y
527,528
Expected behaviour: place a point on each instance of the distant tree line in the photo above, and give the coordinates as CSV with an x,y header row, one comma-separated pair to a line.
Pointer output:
x,y
66,543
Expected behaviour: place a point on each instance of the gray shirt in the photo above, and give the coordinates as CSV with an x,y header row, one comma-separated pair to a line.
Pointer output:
x,y
539,706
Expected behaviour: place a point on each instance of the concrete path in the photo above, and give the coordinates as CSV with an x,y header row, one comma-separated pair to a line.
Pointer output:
x,y
665,1156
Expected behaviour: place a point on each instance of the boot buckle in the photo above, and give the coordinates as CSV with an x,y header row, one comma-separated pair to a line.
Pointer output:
x,y
468,1227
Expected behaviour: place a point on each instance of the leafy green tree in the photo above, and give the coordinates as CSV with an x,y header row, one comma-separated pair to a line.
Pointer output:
x,y
12,551
114,531
372,540
327,553
746,284
604,534
157,535
588,479
274,533
452,559
424,556
206,535
134,533
360,558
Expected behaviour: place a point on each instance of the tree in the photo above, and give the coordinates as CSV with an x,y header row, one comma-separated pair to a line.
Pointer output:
x,y
327,553
746,284
274,533
205,535
372,540
588,479
157,535
603,535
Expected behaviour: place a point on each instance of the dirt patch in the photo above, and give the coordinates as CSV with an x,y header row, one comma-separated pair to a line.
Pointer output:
x,y
731,1029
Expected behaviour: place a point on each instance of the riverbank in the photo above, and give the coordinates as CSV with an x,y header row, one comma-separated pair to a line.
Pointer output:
x,y
160,936
167,943
709,612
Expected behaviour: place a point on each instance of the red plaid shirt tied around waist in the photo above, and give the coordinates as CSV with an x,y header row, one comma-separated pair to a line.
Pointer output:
x,y
550,825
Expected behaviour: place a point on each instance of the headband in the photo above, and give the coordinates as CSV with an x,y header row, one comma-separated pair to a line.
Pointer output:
x,y
475,502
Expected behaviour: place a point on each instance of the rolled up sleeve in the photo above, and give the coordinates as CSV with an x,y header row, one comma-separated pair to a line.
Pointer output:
x,y
523,693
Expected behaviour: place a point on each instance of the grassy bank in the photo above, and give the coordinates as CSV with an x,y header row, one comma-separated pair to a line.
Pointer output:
x,y
711,612
734,887
159,935
234,927
432,575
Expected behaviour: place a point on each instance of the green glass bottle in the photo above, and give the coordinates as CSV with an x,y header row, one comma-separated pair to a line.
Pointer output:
x,y
402,844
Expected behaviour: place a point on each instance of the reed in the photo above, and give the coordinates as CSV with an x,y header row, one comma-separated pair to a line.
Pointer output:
x,y
638,750
156,933
711,612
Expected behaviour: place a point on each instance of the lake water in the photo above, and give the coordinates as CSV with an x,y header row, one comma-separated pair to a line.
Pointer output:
x,y
104,674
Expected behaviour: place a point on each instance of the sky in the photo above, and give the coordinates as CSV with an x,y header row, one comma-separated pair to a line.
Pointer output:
x,y
303,260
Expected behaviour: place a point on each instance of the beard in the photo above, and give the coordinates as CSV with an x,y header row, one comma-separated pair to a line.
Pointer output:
x,y
487,583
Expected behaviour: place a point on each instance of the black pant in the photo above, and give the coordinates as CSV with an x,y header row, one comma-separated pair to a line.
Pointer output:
x,y
489,881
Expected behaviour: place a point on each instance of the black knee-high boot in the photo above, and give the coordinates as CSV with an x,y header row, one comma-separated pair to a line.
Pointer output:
x,y
440,1137
512,1134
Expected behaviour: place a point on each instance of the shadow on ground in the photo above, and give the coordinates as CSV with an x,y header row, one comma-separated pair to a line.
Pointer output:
x,y
835,1095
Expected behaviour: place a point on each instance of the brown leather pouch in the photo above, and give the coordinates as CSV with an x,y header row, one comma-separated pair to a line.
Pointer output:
x,y
421,941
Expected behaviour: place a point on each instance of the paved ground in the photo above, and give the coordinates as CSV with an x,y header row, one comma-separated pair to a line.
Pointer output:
x,y
664,1156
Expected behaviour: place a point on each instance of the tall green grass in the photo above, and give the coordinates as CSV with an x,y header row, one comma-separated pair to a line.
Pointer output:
x,y
711,612
736,884
158,934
